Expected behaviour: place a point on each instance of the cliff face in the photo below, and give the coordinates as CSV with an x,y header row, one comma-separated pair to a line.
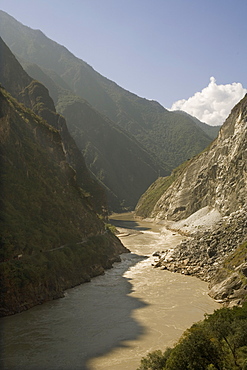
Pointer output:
x,y
217,255
207,198
164,139
216,178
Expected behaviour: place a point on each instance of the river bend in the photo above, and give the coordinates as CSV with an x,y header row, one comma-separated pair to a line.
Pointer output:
x,y
117,318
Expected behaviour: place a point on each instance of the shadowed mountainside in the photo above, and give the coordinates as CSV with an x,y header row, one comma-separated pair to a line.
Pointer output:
x,y
36,97
168,138
51,236
115,158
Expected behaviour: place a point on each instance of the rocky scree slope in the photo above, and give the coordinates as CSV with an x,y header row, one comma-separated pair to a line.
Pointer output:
x,y
217,255
215,180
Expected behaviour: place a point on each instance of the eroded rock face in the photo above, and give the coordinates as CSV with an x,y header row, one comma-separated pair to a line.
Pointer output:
x,y
217,178
217,256
215,181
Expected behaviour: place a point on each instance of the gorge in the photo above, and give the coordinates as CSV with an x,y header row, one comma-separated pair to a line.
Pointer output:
x,y
76,147
211,187
127,141
111,322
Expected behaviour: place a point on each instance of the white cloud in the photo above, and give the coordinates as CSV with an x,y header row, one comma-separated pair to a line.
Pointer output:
x,y
214,103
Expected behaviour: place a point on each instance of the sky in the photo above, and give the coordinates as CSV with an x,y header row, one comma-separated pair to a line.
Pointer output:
x,y
185,54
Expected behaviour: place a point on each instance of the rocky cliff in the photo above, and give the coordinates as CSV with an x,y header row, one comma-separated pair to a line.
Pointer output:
x,y
217,255
164,139
216,178
206,200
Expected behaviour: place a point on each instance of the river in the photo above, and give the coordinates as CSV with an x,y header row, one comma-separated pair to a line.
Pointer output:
x,y
117,318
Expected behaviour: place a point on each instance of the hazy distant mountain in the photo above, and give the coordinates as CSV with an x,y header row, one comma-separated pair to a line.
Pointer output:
x,y
211,131
114,157
167,135
36,97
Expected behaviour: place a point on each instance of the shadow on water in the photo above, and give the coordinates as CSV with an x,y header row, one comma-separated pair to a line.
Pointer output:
x,y
126,224
91,320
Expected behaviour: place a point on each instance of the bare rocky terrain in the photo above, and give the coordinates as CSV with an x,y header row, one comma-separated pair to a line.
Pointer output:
x,y
216,254
206,202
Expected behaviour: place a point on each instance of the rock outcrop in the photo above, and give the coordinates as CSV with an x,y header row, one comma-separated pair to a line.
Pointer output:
x,y
216,178
211,186
217,255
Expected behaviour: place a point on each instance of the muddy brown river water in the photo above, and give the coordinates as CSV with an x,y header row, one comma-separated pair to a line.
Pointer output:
x,y
117,318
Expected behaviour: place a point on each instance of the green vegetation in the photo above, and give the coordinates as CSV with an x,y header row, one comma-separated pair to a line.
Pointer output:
x,y
51,238
111,228
217,343
147,202
144,139
232,266
211,131
236,258
154,192
35,96
152,195
35,278
114,157
38,187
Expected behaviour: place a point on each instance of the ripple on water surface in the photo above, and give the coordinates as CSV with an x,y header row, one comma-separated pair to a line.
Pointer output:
x,y
111,322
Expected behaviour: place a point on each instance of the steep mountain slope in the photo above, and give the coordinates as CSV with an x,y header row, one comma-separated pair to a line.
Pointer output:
x,y
115,158
216,178
118,162
208,196
36,97
48,199
169,136
51,238
211,131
